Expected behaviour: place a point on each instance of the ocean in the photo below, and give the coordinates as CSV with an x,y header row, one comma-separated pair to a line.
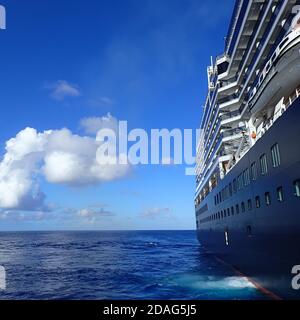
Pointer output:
x,y
115,265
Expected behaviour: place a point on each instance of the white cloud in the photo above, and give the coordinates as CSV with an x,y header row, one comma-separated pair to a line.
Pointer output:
x,y
17,170
93,124
88,212
100,102
59,156
71,159
16,216
91,216
62,89
156,212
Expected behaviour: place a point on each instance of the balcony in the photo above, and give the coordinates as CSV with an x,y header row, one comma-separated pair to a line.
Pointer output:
x,y
229,102
255,24
236,25
229,115
273,32
227,98
228,86
232,132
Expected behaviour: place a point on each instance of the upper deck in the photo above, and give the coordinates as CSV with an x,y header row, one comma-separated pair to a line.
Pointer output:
x,y
256,29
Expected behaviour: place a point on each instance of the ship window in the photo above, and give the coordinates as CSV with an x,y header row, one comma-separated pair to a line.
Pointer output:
x,y
297,188
227,191
249,204
246,177
249,231
220,198
253,171
268,198
228,212
263,164
237,209
280,194
234,186
275,155
232,211
222,214
257,202
240,182
230,189
226,238
243,206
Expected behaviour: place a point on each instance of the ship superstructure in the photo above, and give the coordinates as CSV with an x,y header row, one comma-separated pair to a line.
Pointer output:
x,y
247,199
229,127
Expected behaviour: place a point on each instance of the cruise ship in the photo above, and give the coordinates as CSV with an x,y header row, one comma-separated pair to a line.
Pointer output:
x,y
247,199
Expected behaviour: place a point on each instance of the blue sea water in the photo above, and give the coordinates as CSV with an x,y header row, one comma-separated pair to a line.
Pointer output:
x,y
115,265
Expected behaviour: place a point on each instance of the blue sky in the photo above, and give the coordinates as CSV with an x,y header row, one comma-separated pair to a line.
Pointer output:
x,y
140,61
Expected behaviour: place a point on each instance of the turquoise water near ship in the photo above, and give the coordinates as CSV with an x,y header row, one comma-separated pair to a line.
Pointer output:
x,y
115,265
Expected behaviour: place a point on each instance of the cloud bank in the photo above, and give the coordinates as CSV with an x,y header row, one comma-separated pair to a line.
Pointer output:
x,y
57,156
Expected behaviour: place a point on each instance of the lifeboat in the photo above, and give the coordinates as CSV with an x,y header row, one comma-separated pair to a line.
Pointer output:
x,y
281,73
